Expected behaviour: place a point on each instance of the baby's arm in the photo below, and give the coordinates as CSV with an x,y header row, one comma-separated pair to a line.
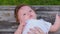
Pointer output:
x,y
20,29
56,25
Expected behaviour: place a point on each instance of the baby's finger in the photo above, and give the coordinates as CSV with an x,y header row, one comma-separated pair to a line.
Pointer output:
x,y
58,13
33,31
39,30
23,24
29,33
57,17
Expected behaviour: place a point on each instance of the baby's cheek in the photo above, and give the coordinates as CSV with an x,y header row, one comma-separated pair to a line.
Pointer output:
x,y
22,18
26,18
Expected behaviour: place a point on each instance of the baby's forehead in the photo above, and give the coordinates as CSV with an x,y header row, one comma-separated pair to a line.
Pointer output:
x,y
24,9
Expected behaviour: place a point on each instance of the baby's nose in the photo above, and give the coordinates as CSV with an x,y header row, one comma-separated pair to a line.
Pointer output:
x,y
29,13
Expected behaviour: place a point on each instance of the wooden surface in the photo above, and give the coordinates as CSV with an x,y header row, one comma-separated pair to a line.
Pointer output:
x,y
8,23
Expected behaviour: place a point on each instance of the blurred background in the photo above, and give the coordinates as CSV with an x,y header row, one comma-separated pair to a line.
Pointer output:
x,y
30,2
45,9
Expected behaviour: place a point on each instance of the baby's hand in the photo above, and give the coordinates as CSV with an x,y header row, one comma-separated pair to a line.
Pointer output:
x,y
35,30
57,18
56,25
22,23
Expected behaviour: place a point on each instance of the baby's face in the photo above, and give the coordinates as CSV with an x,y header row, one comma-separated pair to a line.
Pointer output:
x,y
26,13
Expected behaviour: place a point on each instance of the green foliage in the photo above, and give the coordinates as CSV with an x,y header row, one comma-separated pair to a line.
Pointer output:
x,y
30,2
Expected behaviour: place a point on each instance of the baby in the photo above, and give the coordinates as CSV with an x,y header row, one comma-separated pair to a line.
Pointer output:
x,y
26,16
43,25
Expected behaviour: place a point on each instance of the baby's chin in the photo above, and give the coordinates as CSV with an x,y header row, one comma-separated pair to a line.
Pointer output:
x,y
31,18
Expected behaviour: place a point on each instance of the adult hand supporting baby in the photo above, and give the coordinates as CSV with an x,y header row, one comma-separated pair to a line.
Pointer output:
x,y
36,30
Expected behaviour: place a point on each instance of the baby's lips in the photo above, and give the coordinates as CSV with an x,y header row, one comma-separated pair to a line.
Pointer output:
x,y
31,16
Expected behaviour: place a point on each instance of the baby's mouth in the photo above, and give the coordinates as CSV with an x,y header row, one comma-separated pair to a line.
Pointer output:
x,y
31,16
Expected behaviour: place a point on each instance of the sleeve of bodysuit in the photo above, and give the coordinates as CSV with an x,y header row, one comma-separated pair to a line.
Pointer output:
x,y
47,25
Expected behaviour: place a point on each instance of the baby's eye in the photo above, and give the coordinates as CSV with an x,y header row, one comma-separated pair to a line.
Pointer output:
x,y
24,14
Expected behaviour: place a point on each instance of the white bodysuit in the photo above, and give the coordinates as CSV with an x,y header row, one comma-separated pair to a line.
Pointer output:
x,y
31,23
